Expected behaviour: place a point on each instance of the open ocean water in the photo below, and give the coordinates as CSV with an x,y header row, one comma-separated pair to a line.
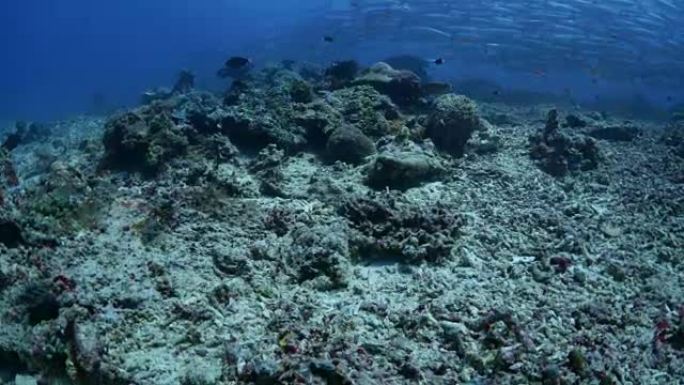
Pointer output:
x,y
60,57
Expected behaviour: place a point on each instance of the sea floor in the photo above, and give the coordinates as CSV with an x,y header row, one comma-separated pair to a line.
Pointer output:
x,y
218,272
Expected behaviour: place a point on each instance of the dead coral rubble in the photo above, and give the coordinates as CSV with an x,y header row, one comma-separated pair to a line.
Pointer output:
x,y
674,138
384,228
319,252
296,232
625,132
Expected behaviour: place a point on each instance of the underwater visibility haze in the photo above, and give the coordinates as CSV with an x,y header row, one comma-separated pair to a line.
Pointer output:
x,y
62,57
342,192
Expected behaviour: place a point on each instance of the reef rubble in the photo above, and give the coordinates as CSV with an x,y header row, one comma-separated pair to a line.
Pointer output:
x,y
340,229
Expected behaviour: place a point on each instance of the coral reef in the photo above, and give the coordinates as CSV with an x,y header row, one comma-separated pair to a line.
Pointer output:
x,y
66,203
40,302
301,228
8,172
266,115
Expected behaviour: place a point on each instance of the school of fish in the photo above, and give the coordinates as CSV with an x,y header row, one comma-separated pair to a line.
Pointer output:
x,y
638,41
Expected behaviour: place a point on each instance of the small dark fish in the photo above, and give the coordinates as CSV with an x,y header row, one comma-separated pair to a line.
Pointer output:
x,y
439,61
328,39
235,67
436,88
669,98
496,92
237,62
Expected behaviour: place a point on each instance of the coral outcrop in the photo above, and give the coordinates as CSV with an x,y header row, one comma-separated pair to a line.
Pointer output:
x,y
451,122
403,166
349,144
402,86
268,114
559,153
143,140
373,113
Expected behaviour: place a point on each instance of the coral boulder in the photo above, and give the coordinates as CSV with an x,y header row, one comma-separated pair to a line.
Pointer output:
x,y
451,123
350,145
403,87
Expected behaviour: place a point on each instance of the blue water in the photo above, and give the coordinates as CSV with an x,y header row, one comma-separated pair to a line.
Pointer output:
x,y
58,55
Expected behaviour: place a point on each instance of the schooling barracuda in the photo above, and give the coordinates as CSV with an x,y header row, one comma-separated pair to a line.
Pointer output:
x,y
555,28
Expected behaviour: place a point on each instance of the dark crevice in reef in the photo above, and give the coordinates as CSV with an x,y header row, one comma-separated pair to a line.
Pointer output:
x,y
249,142
10,365
10,234
41,303
52,372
